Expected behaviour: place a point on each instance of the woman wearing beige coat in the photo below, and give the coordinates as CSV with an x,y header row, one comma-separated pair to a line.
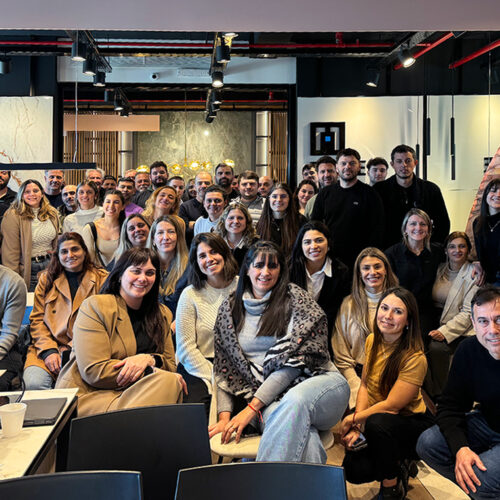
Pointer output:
x,y
29,229
123,356
63,286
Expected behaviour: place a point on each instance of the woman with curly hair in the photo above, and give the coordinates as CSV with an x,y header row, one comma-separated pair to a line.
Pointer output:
x,y
30,228
163,201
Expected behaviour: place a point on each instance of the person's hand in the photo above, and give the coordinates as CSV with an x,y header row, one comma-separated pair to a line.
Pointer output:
x,y
132,368
172,327
183,384
218,427
436,335
350,438
347,424
478,273
53,363
237,424
464,473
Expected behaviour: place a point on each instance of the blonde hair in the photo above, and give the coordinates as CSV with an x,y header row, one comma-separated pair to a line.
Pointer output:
x,y
149,211
46,211
358,295
423,215
249,234
180,260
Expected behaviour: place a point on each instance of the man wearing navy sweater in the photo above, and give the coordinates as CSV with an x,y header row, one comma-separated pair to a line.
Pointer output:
x,y
465,444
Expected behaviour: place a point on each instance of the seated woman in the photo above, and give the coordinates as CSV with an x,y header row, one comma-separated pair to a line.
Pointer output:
x,y
390,410
134,233
280,219
212,277
452,294
102,236
163,201
486,229
314,268
87,194
29,228
304,192
372,277
167,239
237,230
415,262
271,359
69,279
123,355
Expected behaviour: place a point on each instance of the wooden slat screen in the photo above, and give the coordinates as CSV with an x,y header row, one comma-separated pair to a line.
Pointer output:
x,y
98,147
278,158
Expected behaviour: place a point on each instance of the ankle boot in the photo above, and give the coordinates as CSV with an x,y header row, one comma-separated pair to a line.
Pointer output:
x,y
396,492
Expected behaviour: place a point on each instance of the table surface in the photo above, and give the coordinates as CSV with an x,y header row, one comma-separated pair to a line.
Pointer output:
x,y
18,452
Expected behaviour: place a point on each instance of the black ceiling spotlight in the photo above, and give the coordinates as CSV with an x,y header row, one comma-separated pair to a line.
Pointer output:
x,y
100,79
217,79
89,65
5,65
222,51
373,77
118,104
121,103
78,49
125,112
209,119
215,96
406,58
109,96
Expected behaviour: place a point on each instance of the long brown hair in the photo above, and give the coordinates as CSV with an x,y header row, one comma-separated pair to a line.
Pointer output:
x,y
55,268
291,221
409,342
47,211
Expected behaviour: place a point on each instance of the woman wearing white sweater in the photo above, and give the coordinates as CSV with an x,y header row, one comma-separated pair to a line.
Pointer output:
x,y
87,194
212,277
372,276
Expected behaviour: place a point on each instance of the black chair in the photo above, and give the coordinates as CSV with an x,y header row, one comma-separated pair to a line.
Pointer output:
x,y
158,441
262,480
116,485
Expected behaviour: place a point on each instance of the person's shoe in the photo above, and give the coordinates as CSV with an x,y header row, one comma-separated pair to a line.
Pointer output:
x,y
392,492
408,469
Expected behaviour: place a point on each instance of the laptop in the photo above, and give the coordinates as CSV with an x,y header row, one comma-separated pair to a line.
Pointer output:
x,y
41,411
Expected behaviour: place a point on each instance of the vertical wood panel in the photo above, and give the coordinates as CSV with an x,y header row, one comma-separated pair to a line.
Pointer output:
x,y
278,146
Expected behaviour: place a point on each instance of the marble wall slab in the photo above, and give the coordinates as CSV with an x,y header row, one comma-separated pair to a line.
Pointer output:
x,y
229,136
26,134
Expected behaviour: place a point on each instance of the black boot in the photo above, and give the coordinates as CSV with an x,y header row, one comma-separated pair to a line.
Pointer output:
x,y
392,492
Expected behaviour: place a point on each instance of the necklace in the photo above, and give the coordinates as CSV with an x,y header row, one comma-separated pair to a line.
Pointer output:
x,y
493,228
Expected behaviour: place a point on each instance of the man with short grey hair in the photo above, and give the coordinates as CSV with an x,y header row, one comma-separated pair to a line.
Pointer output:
x,y
54,182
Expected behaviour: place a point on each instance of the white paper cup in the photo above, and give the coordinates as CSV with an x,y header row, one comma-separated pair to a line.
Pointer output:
x,y
12,418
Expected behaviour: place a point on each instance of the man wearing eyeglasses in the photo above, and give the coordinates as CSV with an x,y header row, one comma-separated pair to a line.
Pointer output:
x,y
214,202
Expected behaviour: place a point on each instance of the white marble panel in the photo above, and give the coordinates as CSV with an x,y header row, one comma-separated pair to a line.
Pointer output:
x,y
26,134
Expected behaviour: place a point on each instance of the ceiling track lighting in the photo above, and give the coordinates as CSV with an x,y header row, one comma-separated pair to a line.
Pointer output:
x,y
222,52
217,79
125,112
89,65
215,97
118,105
406,58
100,79
373,77
78,50
5,65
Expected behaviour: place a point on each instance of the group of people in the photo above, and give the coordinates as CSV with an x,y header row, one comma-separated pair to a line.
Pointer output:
x,y
293,311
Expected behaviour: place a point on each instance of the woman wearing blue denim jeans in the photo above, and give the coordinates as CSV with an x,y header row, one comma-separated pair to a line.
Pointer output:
x,y
272,367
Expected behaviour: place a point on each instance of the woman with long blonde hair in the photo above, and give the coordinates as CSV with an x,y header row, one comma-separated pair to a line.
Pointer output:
x,y
163,201
30,228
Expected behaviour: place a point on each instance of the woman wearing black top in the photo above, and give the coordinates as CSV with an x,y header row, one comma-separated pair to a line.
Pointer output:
x,y
487,232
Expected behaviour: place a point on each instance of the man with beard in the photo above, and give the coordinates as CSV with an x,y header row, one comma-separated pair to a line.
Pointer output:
x,y
249,194
224,175
7,196
159,174
54,181
265,185
143,187
351,209
69,204
326,176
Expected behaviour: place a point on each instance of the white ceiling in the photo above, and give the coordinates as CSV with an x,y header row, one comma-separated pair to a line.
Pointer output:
x,y
253,15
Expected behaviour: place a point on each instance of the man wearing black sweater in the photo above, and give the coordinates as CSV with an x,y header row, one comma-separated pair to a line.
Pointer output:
x,y
351,209
465,444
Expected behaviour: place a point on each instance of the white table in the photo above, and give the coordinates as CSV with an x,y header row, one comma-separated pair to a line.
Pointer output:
x,y
22,454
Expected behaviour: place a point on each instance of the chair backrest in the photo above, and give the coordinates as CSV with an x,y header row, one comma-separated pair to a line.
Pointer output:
x,y
262,480
158,441
116,485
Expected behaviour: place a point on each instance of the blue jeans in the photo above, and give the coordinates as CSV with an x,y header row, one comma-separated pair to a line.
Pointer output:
x,y
433,449
291,425
37,378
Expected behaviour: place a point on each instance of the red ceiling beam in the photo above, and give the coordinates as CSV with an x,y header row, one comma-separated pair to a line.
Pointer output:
x,y
475,54
421,52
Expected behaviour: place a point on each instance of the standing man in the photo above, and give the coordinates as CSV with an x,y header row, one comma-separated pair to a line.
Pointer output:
x,y
327,176
177,182
192,209
7,196
126,186
69,205
109,182
405,190
54,181
265,186
97,177
143,188
309,173
224,175
464,446
377,168
351,209
159,174
249,194
214,202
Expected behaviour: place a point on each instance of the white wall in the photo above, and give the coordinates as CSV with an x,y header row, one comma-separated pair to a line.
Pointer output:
x,y
374,125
